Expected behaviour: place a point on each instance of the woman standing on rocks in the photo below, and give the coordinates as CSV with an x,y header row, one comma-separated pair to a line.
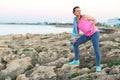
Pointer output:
x,y
86,24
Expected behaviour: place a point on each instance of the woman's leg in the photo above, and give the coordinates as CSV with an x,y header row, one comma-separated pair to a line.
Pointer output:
x,y
95,41
80,40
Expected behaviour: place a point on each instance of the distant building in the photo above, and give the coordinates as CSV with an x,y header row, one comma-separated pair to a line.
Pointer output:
x,y
114,22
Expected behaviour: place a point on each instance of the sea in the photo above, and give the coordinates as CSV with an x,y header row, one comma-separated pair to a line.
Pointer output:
x,y
6,29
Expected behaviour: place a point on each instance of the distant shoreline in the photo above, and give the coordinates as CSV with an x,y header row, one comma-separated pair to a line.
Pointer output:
x,y
39,23
64,26
60,25
21,24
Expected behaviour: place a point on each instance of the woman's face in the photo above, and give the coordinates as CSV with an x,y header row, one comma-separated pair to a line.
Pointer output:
x,y
77,12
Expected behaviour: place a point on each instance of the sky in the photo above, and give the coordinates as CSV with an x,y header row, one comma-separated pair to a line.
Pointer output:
x,y
56,10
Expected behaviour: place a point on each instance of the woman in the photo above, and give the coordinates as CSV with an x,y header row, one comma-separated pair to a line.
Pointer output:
x,y
86,24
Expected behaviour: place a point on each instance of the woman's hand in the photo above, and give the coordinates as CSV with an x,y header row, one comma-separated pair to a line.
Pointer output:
x,y
74,40
90,30
93,24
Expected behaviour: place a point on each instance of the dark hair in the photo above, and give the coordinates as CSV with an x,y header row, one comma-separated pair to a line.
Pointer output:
x,y
75,8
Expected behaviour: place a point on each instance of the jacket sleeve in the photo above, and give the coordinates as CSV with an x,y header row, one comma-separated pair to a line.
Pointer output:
x,y
75,31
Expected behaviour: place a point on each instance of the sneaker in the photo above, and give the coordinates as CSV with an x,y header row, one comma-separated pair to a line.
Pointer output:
x,y
74,62
98,68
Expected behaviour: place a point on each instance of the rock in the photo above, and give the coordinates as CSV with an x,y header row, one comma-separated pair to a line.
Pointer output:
x,y
40,48
109,77
29,52
2,66
71,56
67,71
107,70
47,57
115,70
63,75
105,37
58,63
22,77
75,68
107,46
28,36
21,64
113,53
63,52
14,45
10,57
91,76
3,45
7,37
66,67
117,40
33,42
18,37
5,52
43,73
84,71
45,37
8,78
16,67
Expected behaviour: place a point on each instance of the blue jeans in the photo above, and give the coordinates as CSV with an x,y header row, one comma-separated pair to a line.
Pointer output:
x,y
95,41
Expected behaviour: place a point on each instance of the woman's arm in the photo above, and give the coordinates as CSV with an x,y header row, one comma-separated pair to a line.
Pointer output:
x,y
75,39
91,19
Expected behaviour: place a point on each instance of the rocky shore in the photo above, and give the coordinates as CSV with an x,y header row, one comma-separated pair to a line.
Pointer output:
x,y
46,57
